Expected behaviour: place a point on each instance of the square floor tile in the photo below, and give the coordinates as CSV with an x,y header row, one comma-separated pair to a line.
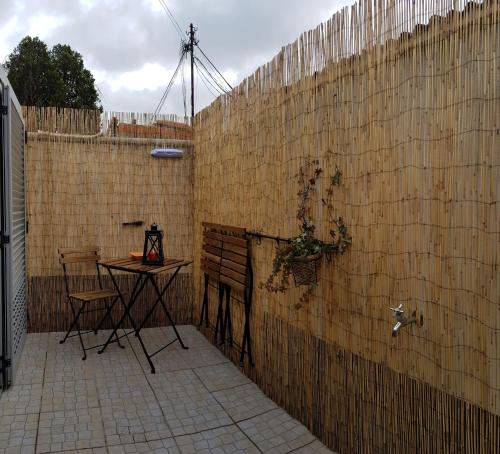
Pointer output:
x,y
187,405
69,395
244,402
102,450
190,336
70,430
128,422
276,431
21,399
132,388
166,446
18,432
174,357
315,447
228,440
224,376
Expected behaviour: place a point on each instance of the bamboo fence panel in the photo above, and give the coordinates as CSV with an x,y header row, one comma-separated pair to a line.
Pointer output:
x,y
404,98
81,188
62,120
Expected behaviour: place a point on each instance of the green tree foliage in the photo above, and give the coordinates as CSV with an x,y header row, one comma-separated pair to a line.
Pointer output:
x,y
58,77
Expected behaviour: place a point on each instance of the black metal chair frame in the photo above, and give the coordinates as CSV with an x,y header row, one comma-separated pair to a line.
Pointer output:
x,y
75,299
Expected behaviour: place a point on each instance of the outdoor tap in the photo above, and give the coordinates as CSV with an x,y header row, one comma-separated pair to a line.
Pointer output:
x,y
401,320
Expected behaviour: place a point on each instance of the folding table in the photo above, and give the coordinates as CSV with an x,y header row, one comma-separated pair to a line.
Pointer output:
x,y
145,274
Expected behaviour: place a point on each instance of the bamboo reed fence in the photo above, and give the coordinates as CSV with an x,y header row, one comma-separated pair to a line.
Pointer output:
x,y
80,189
62,120
402,97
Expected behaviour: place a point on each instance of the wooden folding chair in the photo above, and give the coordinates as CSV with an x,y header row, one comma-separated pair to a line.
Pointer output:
x,y
79,301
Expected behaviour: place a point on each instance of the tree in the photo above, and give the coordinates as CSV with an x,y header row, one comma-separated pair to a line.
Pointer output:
x,y
32,74
78,83
58,77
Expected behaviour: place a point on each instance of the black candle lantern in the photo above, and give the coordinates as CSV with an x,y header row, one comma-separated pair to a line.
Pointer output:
x,y
153,247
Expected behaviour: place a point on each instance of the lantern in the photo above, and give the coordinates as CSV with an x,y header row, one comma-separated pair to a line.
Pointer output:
x,y
153,248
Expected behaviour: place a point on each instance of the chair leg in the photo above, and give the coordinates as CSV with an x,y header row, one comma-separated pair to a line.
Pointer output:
x,y
219,324
204,305
73,323
108,309
228,324
108,315
77,324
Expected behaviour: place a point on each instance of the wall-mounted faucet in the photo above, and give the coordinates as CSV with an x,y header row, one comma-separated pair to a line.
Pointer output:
x,y
401,320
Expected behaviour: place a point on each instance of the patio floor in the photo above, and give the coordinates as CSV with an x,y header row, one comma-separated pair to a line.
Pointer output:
x,y
197,402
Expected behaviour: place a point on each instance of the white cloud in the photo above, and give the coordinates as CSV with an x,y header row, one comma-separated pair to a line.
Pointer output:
x,y
7,31
231,76
44,26
154,5
88,4
150,77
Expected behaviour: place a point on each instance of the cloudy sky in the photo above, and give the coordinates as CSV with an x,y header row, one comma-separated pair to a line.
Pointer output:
x,y
132,48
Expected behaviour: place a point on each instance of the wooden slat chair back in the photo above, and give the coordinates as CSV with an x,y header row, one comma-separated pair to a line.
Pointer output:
x,y
78,300
226,261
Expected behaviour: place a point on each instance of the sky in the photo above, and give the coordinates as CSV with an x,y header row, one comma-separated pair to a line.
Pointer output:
x,y
132,48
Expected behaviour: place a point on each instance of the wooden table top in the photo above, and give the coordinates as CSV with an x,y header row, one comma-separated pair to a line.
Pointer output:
x,y
136,266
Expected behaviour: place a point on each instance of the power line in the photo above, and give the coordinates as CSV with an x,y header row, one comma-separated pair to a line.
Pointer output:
x,y
209,78
207,82
207,86
172,18
221,88
183,78
213,66
220,85
169,86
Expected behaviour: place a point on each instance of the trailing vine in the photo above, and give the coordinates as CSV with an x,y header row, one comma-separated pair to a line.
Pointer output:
x,y
305,244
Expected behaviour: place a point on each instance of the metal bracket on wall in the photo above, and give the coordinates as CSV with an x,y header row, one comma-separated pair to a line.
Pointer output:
x,y
4,239
5,110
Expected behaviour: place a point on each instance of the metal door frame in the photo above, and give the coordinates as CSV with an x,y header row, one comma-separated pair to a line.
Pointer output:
x,y
3,287
11,337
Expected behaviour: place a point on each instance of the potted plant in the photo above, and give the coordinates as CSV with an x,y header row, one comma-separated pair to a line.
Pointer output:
x,y
303,254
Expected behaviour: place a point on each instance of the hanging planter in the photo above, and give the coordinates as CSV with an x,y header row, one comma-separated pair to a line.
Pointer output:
x,y
305,269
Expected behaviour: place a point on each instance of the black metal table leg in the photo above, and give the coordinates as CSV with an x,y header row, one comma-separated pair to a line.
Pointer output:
x,y
126,307
160,298
135,294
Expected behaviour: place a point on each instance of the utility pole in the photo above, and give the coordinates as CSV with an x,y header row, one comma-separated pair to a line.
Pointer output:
x,y
190,48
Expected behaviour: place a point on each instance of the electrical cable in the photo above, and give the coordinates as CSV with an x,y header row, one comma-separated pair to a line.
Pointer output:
x,y
213,66
184,89
206,82
208,77
183,79
169,86
172,18
221,88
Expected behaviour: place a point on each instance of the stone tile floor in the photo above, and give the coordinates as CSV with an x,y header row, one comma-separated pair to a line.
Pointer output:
x,y
197,402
